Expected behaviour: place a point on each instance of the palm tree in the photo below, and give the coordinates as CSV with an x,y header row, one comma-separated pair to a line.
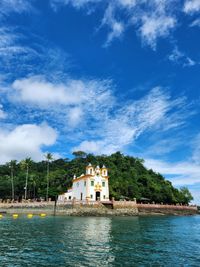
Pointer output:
x,y
33,181
12,164
49,158
25,164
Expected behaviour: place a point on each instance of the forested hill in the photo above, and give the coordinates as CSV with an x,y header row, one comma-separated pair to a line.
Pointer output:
x,y
128,178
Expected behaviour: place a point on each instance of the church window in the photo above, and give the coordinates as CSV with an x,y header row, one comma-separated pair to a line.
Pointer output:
x,y
90,171
92,183
84,183
77,184
104,172
103,184
70,197
91,196
104,197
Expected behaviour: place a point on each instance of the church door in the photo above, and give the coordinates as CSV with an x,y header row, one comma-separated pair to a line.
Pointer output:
x,y
98,196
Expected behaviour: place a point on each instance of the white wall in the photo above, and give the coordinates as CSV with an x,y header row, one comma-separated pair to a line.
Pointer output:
x,y
66,196
98,179
78,188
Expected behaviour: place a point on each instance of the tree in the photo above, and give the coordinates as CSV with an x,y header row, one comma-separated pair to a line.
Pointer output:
x,y
186,196
128,178
33,182
25,164
49,158
79,154
139,160
12,164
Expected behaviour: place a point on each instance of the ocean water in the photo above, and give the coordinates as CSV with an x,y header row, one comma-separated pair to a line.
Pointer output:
x,y
100,241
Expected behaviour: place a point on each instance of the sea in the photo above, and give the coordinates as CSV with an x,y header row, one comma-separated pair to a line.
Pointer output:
x,y
100,241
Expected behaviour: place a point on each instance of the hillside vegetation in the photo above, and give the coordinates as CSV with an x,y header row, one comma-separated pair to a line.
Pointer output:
x,y
128,179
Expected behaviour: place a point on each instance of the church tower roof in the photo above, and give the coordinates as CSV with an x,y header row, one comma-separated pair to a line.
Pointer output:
x,y
89,165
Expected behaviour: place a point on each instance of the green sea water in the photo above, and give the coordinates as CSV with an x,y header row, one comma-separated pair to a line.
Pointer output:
x,y
100,241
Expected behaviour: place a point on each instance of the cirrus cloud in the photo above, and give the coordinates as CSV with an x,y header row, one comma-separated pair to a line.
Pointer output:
x,y
156,111
151,19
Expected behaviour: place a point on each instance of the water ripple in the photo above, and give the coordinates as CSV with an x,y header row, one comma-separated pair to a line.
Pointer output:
x,y
92,241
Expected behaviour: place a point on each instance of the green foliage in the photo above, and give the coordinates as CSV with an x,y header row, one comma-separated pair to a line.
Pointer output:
x,y
128,179
79,154
49,158
186,196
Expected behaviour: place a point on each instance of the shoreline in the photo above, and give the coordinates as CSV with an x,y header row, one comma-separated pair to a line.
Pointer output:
x,y
119,208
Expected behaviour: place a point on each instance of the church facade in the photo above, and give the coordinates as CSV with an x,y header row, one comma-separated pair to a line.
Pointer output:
x,y
91,186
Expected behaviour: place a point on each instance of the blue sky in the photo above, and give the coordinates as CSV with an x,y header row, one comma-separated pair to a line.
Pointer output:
x,y
103,76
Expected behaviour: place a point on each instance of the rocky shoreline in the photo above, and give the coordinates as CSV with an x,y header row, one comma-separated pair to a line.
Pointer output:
x,y
97,209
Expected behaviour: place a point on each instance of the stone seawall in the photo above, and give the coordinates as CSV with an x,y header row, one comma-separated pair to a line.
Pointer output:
x,y
166,209
69,209
118,208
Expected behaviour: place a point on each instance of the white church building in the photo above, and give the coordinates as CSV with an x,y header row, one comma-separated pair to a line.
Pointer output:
x,y
91,186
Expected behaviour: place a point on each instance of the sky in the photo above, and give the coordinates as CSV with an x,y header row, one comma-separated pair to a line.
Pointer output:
x,y
103,76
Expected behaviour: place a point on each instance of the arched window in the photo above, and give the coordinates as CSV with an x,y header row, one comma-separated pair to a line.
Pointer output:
x,y
90,171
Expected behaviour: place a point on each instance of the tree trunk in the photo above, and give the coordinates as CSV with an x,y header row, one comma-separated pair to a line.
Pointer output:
x,y
12,184
47,194
26,185
34,191
55,205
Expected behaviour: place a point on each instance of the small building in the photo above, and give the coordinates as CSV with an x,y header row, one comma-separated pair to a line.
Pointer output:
x,y
91,186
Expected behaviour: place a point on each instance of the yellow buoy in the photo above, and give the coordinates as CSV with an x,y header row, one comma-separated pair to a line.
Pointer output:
x,y
15,216
30,216
1,216
43,215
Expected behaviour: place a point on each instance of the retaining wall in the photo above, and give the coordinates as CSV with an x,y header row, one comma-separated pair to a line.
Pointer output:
x,y
120,208
166,209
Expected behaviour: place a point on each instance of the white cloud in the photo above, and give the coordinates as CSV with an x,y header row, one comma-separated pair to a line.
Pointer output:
x,y
18,6
75,115
160,146
115,134
127,3
196,195
3,115
196,22
181,173
179,57
90,146
155,27
154,111
151,19
191,6
185,172
196,149
70,104
7,38
88,113
37,90
84,3
25,141
154,20
116,27
75,3
14,54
